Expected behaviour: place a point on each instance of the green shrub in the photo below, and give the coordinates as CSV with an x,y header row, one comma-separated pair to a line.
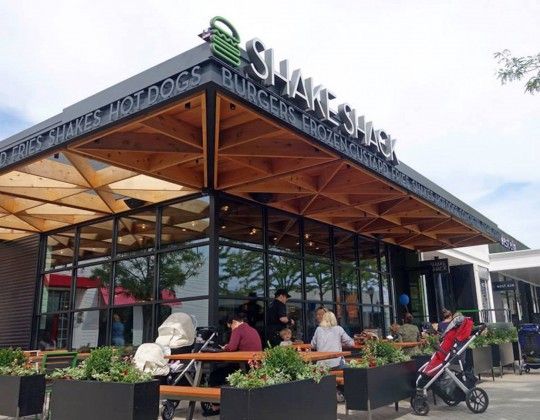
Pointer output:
x,y
13,362
379,353
279,365
104,364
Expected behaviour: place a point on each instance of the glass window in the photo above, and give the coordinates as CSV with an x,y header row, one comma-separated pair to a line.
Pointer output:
x,y
344,247
131,326
241,272
319,284
368,252
134,280
89,329
370,288
386,289
253,308
349,318
53,331
285,273
347,284
295,311
185,222
198,309
92,286
137,232
316,239
373,318
240,222
283,232
383,256
183,273
60,250
55,295
387,318
95,241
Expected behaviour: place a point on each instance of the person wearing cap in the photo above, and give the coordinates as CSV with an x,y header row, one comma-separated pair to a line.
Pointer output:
x,y
277,316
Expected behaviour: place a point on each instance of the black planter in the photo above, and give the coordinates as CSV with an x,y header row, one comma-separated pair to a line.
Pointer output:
x,y
22,395
480,360
370,388
503,355
299,400
91,400
517,352
421,360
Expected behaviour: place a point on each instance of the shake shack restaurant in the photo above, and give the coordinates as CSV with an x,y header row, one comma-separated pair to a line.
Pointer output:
x,y
203,185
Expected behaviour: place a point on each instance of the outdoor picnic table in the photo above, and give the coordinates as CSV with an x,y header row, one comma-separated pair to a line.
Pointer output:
x,y
357,346
242,357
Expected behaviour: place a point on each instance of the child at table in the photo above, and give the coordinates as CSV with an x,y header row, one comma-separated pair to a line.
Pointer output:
x,y
286,337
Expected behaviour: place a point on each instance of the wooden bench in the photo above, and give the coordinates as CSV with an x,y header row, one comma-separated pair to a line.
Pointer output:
x,y
190,393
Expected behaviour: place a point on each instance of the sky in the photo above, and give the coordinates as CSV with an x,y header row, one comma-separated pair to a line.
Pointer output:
x,y
422,70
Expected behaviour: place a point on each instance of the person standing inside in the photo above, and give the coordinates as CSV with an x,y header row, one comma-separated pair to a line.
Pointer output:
x,y
117,331
277,317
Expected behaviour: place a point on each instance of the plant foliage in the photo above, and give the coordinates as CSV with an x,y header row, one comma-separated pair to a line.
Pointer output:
x,y
13,362
517,68
379,353
104,364
279,365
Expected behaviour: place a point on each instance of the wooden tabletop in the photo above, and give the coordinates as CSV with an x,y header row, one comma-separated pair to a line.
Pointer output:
x,y
245,356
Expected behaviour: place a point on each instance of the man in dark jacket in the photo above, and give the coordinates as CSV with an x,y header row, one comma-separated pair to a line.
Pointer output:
x,y
277,316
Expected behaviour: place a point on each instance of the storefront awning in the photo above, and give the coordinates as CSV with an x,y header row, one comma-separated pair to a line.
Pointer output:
x,y
520,265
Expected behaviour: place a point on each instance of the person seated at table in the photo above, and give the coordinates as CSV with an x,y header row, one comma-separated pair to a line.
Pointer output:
x,y
243,338
286,337
447,318
395,334
329,336
409,333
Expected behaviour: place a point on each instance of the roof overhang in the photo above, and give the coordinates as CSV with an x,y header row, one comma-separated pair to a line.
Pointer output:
x,y
519,265
194,122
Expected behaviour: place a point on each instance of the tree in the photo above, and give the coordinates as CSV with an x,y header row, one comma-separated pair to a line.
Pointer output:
x,y
517,68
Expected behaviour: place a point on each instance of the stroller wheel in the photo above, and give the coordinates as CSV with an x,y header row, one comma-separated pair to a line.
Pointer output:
x,y
169,407
419,405
451,403
477,400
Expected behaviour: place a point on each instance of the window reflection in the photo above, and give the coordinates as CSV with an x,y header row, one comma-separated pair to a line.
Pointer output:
x,y
283,232
349,318
183,273
368,252
373,318
383,257
53,331
344,246
55,294
295,311
92,286
95,241
370,288
347,284
137,232
60,250
316,239
185,222
285,273
240,222
319,285
134,280
240,272
386,289
89,329
131,326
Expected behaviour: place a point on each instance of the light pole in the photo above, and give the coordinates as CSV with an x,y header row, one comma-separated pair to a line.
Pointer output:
x,y
371,292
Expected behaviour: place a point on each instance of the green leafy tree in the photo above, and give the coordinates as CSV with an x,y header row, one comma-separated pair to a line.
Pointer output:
x,y
240,271
517,68
319,278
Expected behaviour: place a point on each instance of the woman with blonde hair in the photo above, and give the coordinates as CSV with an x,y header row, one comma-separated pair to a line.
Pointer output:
x,y
329,336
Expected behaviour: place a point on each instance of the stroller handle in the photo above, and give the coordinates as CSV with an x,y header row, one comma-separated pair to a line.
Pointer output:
x,y
479,328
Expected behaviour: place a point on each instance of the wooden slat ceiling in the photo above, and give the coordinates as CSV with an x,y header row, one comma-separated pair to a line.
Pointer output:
x,y
163,155
159,157
261,161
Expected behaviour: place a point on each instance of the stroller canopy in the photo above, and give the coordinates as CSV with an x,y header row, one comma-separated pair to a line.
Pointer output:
x,y
177,331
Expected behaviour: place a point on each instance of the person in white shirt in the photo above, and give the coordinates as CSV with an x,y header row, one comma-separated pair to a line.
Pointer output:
x,y
329,336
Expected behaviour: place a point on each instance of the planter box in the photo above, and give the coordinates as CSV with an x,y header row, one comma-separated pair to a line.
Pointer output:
x,y
421,360
22,395
503,355
299,400
91,400
480,360
370,388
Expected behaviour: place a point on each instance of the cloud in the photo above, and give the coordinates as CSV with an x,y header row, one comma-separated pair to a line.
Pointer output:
x,y
11,122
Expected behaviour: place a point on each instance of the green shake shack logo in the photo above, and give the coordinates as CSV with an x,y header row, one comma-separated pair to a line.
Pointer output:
x,y
224,40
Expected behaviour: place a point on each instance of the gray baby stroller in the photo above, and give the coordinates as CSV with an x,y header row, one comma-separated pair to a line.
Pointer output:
x,y
178,334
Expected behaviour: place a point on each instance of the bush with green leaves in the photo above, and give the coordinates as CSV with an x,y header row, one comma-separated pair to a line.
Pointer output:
x,y
13,362
279,365
104,364
500,335
431,345
379,353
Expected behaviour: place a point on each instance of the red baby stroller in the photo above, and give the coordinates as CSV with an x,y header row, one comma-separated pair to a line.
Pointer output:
x,y
445,373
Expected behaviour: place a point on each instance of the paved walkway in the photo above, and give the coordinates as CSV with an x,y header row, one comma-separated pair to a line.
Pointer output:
x,y
512,397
